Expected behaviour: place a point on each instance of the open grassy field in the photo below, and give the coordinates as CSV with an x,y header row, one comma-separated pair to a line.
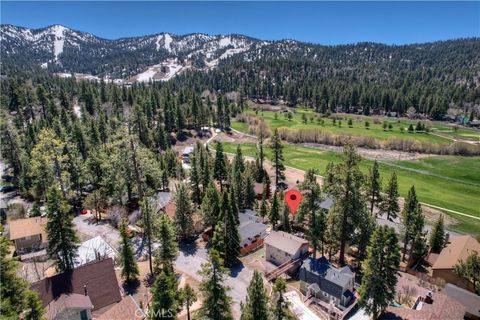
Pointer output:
x,y
375,130
450,182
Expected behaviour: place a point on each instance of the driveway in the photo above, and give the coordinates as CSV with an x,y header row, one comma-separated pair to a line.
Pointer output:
x,y
190,260
88,228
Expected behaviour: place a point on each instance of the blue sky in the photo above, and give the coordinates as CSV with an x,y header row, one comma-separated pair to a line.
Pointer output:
x,y
317,22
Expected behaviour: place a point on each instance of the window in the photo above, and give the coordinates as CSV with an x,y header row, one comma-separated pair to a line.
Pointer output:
x,y
83,315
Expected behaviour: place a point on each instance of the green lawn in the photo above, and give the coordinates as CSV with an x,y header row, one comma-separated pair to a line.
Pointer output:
x,y
446,181
278,119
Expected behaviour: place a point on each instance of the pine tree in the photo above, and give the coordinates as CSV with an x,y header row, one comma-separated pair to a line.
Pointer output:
x,y
274,215
374,185
470,269
437,236
165,302
413,223
216,303
226,239
263,207
286,225
280,304
390,202
15,297
62,239
277,156
220,167
249,193
189,297
195,179
380,275
147,223
256,304
210,205
346,187
183,212
260,158
128,262
168,250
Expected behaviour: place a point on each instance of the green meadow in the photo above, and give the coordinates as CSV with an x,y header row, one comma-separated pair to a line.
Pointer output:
x,y
450,182
307,119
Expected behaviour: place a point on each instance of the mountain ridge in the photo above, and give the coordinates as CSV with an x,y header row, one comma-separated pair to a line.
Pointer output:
x,y
161,56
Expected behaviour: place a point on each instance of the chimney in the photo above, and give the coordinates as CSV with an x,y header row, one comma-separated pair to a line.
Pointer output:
x,y
85,289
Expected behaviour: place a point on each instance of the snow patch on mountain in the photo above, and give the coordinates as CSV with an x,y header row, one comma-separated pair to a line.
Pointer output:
x,y
161,72
59,40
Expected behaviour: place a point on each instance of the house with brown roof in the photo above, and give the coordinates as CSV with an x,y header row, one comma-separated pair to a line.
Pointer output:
x,y
76,293
282,247
436,306
457,250
127,309
28,234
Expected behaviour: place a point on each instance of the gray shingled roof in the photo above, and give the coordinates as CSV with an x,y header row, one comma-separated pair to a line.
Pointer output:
x,y
326,204
470,300
330,279
285,242
250,225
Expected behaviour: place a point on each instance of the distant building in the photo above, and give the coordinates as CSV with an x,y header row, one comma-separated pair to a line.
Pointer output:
x,y
282,247
457,250
28,234
469,300
75,294
252,231
327,203
327,283
186,154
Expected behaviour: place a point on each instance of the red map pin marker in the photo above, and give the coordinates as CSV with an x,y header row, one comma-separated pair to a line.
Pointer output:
x,y
293,199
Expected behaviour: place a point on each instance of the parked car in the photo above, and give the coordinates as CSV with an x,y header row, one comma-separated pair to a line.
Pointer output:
x,y
282,185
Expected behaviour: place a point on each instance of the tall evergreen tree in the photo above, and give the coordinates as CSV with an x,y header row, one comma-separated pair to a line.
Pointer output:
x,y
286,224
256,304
374,184
437,236
216,303
147,223
346,187
188,298
183,212
165,302
128,262
168,250
16,299
226,239
413,223
280,304
470,269
390,202
195,178
62,239
277,156
220,167
210,205
379,280
274,215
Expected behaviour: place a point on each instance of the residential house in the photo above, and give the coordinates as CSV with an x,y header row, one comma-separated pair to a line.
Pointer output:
x,y
127,309
252,231
76,294
457,250
94,249
282,247
327,283
469,300
434,306
186,154
28,234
